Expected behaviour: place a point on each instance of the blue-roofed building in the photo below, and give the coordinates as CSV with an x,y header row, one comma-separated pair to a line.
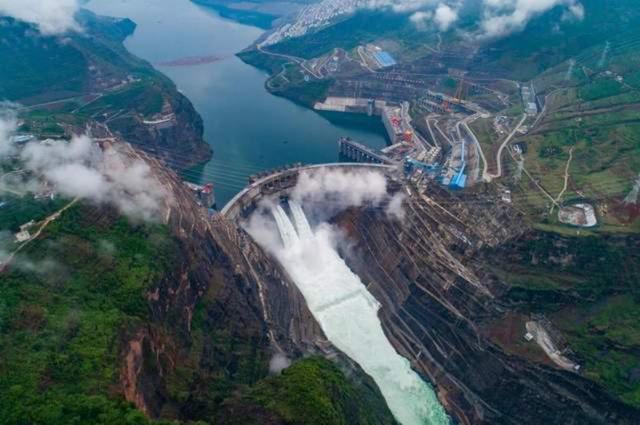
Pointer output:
x,y
458,181
384,59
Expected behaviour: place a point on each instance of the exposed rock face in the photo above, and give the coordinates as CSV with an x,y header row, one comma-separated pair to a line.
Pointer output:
x,y
179,144
425,271
244,306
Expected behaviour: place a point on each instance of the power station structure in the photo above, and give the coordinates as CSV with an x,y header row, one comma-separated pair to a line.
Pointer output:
x,y
204,194
460,178
453,178
280,182
357,152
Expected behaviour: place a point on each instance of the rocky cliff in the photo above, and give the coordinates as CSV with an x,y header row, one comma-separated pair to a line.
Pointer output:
x,y
438,297
107,320
217,319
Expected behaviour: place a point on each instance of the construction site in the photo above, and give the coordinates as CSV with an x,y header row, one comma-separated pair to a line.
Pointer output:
x,y
428,135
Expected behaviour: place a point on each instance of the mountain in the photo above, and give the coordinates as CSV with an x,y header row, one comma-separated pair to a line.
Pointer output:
x,y
105,320
69,81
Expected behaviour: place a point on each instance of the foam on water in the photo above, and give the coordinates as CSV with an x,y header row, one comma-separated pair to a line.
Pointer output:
x,y
348,315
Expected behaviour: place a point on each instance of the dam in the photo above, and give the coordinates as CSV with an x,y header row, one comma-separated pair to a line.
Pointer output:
x,y
280,182
348,315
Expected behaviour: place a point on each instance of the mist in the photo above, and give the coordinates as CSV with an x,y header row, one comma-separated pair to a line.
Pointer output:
x,y
8,126
340,302
483,19
49,16
278,363
326,192
79,168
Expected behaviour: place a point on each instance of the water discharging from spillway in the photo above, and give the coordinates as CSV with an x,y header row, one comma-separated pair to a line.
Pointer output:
x,y
347,313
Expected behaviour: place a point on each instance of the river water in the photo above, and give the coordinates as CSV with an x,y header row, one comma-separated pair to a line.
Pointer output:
x,y
348,313
249,129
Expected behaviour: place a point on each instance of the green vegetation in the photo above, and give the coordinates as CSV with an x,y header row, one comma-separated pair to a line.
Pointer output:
x,y
590,288
33,65
144,97
307,93
524,55
294,88
606,337
363,27
73,298
18,211
311,392
63,307
601,88
483,129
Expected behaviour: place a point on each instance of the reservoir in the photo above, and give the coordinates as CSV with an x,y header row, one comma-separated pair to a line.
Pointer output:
x,y
249,129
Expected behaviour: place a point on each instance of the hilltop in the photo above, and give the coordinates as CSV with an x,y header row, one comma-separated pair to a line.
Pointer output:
x,y
66,82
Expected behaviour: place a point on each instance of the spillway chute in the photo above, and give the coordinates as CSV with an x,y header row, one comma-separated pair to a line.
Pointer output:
x,y
347,314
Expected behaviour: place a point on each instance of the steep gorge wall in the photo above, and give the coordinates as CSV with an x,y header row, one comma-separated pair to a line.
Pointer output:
x,y
435,296
217,319
219,315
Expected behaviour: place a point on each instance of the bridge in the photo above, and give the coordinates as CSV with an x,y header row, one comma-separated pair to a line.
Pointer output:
x,y
358,153
282,182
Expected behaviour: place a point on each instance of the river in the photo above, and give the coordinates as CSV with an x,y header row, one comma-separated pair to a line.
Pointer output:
x,y
249,129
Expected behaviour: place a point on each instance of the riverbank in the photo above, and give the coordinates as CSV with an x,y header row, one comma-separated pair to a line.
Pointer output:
x,y
249,129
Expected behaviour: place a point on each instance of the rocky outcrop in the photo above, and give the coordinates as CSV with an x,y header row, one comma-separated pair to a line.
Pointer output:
x,y
435,298
178,142
217,319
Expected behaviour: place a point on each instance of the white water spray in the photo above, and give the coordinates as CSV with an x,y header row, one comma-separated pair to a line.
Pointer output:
x,y
348,315
287,232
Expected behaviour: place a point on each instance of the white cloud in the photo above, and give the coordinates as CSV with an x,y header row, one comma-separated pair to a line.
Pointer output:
x,y
395,207
445,16
502,17
80,168
420,19
496,17
401,6
278,363
327,191
8,126
50,16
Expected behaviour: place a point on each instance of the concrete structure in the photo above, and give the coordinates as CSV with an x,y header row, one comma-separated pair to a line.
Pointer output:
x,y
529,100
22,138
544,338
579,215
280,183
360,153
392,120
384,59
204,194
23,235
351,104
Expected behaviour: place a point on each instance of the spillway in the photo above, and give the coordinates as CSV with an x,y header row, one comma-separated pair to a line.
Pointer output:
x,y
348,315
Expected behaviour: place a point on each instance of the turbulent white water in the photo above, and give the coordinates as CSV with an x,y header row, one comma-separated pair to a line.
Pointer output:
x,y
348,316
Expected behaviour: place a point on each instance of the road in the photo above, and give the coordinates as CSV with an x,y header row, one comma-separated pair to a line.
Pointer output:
x,y
435,124
488,176
44,224
566,180
465,123
294,59
433,136
363,61
6,189
545,342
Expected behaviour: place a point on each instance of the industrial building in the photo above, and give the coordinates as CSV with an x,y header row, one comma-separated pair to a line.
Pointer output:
x,y
392,120
384,59
529,100
204,195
